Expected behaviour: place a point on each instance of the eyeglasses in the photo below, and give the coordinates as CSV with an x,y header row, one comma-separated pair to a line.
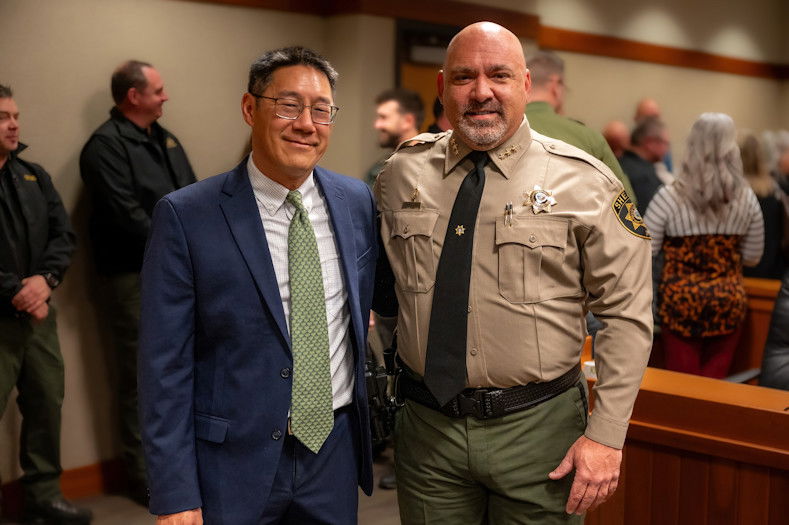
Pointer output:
x,y
290,109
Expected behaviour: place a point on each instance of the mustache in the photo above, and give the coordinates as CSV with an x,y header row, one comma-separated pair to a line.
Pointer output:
x,y
489,105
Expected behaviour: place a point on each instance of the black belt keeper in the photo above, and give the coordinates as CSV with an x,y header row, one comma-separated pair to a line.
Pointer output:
x,y
489,403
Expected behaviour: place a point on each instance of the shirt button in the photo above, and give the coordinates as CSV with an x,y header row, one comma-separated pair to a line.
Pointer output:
x,y
532,238
276,434
405,229
469,309
474,351
284,373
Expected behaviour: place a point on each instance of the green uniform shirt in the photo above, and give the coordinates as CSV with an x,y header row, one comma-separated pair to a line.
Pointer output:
x,y
543,119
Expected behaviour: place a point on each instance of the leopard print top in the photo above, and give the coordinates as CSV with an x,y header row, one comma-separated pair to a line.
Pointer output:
x,y
702,290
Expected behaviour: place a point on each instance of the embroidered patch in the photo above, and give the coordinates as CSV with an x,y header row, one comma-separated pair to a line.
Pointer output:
x,y
628,215
30,178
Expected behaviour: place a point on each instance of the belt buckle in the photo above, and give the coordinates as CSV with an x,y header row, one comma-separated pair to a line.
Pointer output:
x,y
473,403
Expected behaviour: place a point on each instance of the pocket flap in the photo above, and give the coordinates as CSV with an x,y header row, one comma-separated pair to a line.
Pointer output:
x,y
211,428
533,232
406,223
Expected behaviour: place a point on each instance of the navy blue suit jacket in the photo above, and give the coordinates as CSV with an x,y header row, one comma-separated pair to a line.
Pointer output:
x,y
213,343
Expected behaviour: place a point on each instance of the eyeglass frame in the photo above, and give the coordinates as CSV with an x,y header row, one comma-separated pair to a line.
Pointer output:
x,y
334,109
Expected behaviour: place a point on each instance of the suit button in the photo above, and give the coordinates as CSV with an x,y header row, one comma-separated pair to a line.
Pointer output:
x,y
284,373
276,434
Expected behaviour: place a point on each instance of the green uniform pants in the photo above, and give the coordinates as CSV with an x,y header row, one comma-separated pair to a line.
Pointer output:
x,y
486,472
30,359
123,294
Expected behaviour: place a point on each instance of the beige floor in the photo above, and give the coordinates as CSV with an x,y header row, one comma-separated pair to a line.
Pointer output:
x,y
379,509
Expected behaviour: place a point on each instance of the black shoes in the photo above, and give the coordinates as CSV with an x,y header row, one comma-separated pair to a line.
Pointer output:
x,y
56,512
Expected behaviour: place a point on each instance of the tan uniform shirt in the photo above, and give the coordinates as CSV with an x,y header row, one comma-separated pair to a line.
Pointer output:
x,y
534,274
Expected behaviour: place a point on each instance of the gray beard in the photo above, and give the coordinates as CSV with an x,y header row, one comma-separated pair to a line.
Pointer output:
x,y
483,134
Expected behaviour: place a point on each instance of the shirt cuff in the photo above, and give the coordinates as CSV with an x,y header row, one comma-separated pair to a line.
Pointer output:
x,y
606,431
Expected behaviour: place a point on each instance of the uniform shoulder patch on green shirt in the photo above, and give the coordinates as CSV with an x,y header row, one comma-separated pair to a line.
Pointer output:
x,y
628,215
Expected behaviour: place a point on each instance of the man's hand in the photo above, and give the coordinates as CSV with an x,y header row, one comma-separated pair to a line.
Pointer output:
x,y
35,292
40,313
596,474
187,517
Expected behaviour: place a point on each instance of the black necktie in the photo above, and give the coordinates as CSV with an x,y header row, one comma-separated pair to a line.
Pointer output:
x,y
445,365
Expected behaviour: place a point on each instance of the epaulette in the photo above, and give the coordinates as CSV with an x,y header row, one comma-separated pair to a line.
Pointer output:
x,y
563,149
422,138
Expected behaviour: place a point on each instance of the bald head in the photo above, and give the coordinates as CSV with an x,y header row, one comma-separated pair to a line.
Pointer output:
x,y
647,108
618,136
483,85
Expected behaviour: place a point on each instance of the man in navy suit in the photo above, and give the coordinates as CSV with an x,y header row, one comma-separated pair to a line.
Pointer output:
x,y
252,394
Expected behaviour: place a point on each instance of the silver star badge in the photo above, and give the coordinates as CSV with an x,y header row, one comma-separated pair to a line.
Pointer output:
x,y
540,200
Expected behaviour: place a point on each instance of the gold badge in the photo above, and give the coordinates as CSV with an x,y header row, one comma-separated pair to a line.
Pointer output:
x,y
171,143
30,178
460,230
540,200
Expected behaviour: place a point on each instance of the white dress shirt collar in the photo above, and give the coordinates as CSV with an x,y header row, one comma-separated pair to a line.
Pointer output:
x,y
271,195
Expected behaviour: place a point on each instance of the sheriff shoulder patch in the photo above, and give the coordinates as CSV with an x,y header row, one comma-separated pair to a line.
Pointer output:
x,y
628,215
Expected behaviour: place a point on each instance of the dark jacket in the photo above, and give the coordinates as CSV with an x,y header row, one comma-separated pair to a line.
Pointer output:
x,y
49,237
775,363
127,171
642,176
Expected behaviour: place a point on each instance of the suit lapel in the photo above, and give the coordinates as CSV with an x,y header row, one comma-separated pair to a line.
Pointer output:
x,y
343,234
243,218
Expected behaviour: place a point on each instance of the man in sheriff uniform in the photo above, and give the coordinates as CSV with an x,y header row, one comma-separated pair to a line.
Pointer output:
x,y
499,240
36,243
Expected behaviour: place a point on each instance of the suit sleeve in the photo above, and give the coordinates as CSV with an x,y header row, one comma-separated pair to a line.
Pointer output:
x,y
107,172
384,297
166,366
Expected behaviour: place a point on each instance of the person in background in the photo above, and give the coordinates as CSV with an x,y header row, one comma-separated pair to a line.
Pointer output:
x,y
544,111
617,136
440,122
775,215
128,164
648,108
36,244
775,363
648,143
708,224
399,114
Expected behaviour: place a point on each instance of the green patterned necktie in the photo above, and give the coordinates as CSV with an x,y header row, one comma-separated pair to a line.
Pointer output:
x,y
312,418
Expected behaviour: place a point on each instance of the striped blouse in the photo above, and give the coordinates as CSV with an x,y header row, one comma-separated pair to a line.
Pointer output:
x,y
669,215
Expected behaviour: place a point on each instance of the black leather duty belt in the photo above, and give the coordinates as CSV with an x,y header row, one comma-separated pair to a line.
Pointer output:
x,y
488,403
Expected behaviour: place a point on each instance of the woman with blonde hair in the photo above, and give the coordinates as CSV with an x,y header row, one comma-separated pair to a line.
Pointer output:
x,y
769,195
708,224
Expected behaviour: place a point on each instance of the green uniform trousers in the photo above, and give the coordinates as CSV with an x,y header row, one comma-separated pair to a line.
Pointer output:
x,y
123,295
466,471
30,359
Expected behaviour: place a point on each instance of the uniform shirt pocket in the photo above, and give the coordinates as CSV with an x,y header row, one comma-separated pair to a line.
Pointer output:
x,y
531,257
411,240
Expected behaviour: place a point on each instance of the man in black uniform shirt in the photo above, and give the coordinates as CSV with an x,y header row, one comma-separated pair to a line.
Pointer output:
x,y
128,164
36,243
